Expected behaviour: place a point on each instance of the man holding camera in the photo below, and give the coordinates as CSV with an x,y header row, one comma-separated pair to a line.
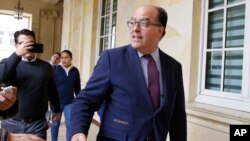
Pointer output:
x,y
34,80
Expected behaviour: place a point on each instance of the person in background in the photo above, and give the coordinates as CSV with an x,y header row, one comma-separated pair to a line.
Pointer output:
x,y
68,84
35,82
7,99
55,58
141,85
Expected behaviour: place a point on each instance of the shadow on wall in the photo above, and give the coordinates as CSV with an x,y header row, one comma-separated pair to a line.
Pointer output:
x,y
171,32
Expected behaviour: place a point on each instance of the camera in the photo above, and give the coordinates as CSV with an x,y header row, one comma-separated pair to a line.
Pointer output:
x,y
37,48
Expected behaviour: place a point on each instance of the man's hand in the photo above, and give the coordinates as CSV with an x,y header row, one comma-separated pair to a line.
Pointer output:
x,y
79,137
23,48
7,98
23,137
56,116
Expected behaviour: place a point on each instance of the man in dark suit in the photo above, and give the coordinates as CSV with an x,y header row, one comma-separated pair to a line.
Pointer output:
x,y
142,88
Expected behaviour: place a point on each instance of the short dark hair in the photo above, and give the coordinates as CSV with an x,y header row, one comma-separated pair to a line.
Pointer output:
x,y
24,32
58,53
67,52
162,17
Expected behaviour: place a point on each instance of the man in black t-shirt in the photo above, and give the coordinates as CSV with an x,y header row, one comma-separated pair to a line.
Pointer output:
x,y
36,86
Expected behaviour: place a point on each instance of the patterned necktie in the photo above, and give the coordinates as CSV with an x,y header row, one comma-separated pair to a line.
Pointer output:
x,y
153,81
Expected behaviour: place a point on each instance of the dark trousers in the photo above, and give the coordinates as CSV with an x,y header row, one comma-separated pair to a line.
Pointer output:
x,y
37,127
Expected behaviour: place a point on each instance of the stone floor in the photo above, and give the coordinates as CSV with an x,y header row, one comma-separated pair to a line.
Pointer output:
x,y
62,132
92,132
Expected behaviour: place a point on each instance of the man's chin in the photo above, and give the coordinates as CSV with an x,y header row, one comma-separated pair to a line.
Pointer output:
x,y
29,55
134,45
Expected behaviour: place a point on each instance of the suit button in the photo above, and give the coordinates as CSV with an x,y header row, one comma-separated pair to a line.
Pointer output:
x,y
147,139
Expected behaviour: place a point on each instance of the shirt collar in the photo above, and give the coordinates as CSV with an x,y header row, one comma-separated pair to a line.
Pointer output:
x,y
154,54
26,60
68,68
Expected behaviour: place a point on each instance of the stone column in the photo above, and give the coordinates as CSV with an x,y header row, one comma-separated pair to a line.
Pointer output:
x,y
49,31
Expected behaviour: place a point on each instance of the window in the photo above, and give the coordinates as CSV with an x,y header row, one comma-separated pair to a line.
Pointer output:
x,y
107,31
225,54
7,28
11,38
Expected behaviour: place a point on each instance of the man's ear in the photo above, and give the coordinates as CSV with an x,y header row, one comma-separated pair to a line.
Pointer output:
x,y
161,31
15,44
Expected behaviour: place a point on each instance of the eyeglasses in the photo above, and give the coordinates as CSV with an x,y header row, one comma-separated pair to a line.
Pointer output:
x,y
141,23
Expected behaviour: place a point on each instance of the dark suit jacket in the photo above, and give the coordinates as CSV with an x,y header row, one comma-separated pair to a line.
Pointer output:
x,y
128,113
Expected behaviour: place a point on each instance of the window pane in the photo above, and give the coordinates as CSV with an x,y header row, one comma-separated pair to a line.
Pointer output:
x,y
106,43
234,1
114,23
103,44
233,71
103,7
215,3
102,26
106,24
215,30
115,5
112,41
11,37
235,27
213,70
12,42
108,6
11,34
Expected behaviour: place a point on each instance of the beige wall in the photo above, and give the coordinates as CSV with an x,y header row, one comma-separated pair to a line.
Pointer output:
x,y
79,33
46,21
182,42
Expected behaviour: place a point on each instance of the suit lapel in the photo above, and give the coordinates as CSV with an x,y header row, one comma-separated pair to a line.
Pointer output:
x,y
137,72
166,72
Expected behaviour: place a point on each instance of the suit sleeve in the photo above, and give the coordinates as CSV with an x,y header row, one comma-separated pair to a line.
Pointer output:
x,y
178,124
90,98
8,68
8,76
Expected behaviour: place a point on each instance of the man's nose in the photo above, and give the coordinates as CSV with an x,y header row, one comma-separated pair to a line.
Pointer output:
x,y
136,26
